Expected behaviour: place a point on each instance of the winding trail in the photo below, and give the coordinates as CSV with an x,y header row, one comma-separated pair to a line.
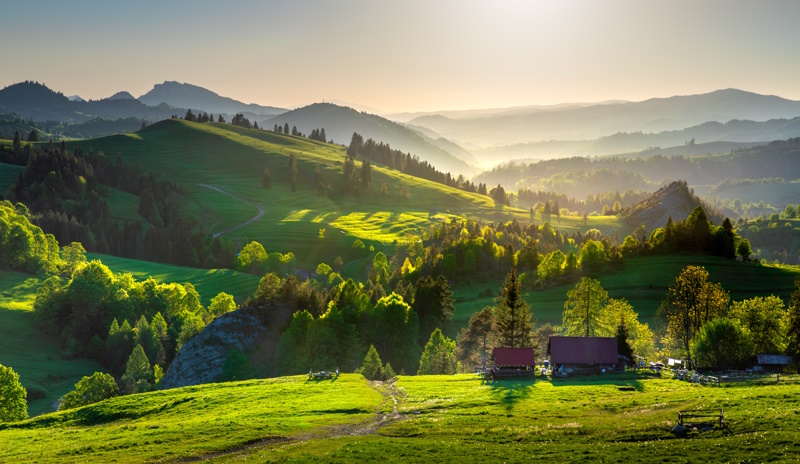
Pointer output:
x,y
243,200
386,389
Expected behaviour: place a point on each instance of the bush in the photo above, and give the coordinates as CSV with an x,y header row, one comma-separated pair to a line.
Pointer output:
x,y
90,389
722,343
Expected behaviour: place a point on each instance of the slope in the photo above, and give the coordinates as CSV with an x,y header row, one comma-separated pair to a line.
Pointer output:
x,y
314,227
460,418
340,122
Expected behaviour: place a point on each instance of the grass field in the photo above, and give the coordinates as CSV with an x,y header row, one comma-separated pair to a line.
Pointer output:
x,y
643,282
207,282
191,421
439,418
36,357
233,159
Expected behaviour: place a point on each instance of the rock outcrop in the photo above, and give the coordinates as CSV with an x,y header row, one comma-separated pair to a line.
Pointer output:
x,y
201,359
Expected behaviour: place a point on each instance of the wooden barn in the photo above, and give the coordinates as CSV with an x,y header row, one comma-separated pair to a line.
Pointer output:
x,y
569,354
513,362
771,362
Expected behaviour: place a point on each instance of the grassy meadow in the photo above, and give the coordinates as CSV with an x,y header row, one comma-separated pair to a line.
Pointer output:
x,y
616,418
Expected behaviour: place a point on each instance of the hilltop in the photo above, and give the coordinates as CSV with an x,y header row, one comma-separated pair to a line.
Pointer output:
x,y
340,122
674,201
183,95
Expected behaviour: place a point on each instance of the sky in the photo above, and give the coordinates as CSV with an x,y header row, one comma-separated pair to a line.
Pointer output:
x,y
408,55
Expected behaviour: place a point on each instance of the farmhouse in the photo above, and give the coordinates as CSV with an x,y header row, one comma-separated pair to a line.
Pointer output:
x,y
513,362
771,362
582,353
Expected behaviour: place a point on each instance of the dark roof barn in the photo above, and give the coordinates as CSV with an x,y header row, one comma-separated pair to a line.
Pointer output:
x,y
508,357
583,350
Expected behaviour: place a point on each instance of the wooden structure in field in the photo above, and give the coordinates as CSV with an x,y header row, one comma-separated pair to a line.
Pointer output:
x,y
583,354
771,362
512,362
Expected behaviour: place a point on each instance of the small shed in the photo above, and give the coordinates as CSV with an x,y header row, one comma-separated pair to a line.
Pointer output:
x,y
771,362
583,352
513,362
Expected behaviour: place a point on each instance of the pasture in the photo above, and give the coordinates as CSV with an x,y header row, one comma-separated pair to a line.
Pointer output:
x,y
614,418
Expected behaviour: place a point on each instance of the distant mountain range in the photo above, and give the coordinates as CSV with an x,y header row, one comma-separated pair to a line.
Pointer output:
x,y
340,122
35,101
197,98
696,140
594,121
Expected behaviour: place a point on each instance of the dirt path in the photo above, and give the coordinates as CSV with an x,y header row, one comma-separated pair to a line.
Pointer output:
x,y
243,200
386,389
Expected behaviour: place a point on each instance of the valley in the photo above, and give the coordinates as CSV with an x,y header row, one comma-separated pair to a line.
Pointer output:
x,y
400,231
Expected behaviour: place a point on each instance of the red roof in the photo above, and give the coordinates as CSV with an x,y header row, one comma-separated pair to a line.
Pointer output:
x,y
514,357
583,350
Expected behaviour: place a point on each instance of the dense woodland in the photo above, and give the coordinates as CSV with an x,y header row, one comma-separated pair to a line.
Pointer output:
x,y
67,194
581,176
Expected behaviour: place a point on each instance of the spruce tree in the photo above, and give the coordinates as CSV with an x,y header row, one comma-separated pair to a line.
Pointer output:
x,y
793,332
512,315
623,340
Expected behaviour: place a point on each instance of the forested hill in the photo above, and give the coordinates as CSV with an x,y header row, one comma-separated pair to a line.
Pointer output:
x,y
775,159
340,122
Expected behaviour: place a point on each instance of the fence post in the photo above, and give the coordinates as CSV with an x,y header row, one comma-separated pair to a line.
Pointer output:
x,y
779,377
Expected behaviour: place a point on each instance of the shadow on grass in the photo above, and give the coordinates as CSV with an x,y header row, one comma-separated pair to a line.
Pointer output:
x,y
509,392
622,382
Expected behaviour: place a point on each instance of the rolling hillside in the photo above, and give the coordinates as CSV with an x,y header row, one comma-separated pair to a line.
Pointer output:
x,y
340,122
213,161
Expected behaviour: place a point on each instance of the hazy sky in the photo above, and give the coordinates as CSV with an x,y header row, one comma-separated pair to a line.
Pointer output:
x,y
405,55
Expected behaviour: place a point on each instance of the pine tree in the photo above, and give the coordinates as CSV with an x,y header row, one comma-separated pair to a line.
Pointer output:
x,y
366,174
438,357
793,332
266,181
137,371
512,315
286,128
623,340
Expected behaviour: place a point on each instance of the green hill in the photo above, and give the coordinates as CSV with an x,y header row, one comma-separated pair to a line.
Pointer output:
x,y
232,159
614,418
643,282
